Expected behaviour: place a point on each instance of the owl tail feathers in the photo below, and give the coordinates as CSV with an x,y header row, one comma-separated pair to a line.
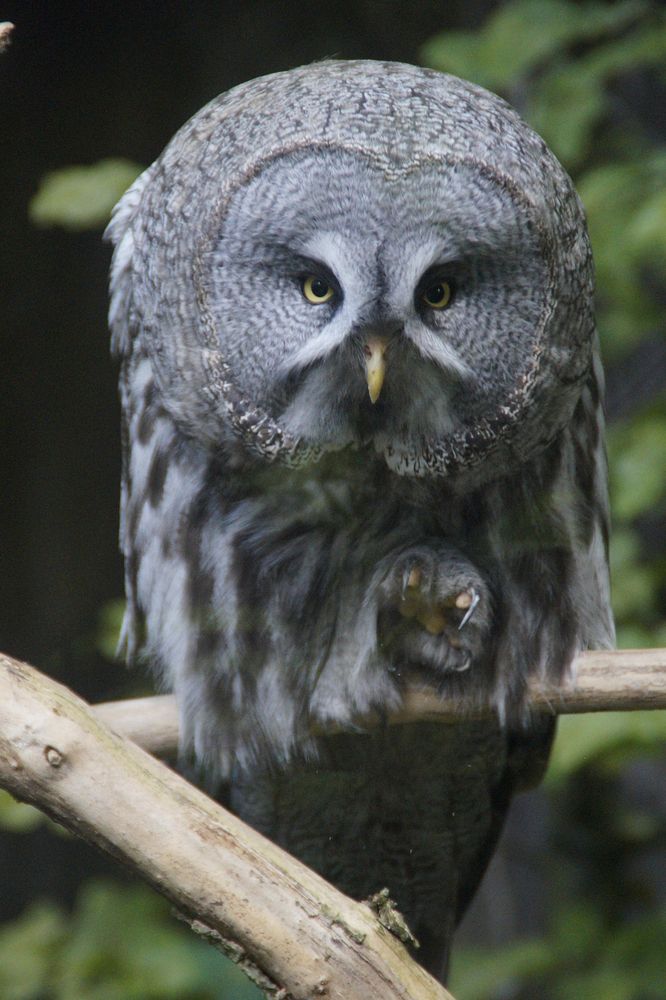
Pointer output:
x,y
220,739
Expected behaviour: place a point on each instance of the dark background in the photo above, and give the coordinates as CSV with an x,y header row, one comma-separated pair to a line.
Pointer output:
x,y
79,83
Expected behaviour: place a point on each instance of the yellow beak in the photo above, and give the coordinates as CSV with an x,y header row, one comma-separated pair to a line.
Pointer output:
x,y
375,366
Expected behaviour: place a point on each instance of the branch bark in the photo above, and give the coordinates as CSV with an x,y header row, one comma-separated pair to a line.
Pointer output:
x,y
617,680
6,29
300,937
296,934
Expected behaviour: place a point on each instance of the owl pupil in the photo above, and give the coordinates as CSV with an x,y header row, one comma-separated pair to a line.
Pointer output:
x,y
317,290
438,296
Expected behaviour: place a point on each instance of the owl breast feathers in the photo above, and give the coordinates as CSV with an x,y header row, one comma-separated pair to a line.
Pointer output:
x,y
362,421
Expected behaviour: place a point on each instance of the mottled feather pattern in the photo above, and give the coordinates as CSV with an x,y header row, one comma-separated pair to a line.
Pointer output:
x,y
297,555
244,549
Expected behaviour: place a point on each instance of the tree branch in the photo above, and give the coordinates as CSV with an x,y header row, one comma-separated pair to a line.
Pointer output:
x,y
6,29
617,680
286,926
298,935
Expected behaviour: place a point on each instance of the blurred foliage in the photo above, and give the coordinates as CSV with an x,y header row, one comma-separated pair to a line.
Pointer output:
x,y
605,739
17,817
120,943
565,66
82,197
581,958
109,626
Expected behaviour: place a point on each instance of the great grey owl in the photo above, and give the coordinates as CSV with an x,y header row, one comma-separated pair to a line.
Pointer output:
x,y
362,426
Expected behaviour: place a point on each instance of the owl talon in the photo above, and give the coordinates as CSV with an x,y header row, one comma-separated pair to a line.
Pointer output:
x,y
427,596
473,603
411,581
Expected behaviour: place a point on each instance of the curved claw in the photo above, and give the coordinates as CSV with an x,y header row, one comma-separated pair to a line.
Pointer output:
x,y
411,580
470,611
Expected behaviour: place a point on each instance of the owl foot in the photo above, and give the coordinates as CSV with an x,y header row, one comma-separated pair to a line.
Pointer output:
x,y
435,611
434,618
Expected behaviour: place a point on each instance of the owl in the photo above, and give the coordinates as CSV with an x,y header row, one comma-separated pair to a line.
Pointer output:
x,y
362,451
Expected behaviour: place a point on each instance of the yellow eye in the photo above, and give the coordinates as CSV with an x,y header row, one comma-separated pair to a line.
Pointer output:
x,y
317,290
439,295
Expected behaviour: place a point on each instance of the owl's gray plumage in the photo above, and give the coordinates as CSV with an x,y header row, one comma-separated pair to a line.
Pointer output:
x,y
294,551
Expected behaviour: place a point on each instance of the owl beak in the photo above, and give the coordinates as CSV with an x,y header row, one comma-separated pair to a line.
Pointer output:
x,y
375,365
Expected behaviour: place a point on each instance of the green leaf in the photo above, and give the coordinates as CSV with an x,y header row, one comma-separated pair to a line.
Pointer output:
x,y
633,636
18,817
638,947
638,461
82,197
563,106
605,738
612,194
27,950
579,957
627,963
109,625
124,945
478,973
522,35
120,948
645,46
575,930
620,199
121,943
634,582
646,232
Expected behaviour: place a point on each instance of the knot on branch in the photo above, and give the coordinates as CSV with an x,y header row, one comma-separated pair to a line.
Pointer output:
x,y
391,918
54,757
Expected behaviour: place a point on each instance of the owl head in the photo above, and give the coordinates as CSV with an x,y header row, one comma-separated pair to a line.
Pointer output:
x,y
361,255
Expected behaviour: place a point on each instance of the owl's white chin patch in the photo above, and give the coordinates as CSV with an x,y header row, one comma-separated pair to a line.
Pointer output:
x,y
399,427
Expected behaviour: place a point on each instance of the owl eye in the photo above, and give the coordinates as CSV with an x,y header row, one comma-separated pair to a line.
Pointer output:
x,y
438,295
317,290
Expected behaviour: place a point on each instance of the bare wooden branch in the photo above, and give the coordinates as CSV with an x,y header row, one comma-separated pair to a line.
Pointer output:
x,y
617,680
6,29
286,923
151,722
241,891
